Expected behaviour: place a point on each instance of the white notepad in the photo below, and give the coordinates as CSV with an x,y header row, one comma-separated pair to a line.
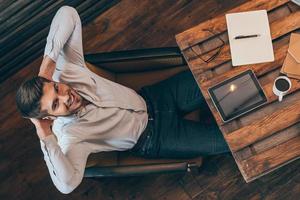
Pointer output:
x,y
250,50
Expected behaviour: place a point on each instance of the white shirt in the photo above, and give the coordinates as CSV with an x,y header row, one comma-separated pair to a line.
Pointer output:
x,y
114,120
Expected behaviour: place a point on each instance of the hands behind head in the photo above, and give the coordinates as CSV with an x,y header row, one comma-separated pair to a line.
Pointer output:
x,y
43,127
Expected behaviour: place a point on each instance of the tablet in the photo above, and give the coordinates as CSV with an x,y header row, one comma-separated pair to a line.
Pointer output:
x,y
237,96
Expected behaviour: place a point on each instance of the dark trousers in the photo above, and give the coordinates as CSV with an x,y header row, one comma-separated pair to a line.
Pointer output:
x,y
168,134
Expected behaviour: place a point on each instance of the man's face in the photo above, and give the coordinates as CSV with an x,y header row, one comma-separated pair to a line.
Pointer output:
x,y
59,99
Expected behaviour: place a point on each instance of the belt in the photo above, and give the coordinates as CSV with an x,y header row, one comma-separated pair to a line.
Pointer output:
x,y
149,106
141,145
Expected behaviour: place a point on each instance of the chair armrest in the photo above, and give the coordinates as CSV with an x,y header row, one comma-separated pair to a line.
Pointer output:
x,y
137,60
135,170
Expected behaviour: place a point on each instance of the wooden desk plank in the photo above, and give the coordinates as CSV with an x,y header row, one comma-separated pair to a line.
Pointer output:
x,y
271,159
279,120
276,139
268,143
196,35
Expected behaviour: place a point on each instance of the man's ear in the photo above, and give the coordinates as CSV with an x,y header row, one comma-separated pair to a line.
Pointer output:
x,y
50,117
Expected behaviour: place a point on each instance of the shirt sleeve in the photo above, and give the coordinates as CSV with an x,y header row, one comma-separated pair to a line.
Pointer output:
x,y
66,167
64,40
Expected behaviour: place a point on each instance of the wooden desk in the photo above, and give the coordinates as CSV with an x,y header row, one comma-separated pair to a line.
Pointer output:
x,y
266,138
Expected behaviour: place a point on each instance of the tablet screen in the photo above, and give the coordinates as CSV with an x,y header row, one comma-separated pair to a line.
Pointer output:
x,y
237,95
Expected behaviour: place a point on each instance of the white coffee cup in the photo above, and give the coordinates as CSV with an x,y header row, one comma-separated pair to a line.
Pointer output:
x,y
282,85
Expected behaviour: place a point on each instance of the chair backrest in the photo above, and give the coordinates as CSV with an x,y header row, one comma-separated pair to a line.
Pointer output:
x,y
137,60
137,68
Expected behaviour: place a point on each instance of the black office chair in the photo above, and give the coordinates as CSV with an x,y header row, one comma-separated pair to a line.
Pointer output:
x,y
135,69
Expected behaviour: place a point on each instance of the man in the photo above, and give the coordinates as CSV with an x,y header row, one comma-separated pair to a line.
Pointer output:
x,y
91,114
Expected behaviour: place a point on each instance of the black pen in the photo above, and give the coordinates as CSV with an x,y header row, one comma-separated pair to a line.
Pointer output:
x,y
246,36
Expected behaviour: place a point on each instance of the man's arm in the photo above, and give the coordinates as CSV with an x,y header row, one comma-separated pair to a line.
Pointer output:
x,y
66,167
64,41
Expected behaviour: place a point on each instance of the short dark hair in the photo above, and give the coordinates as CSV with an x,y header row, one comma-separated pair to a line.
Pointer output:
x,y
28,98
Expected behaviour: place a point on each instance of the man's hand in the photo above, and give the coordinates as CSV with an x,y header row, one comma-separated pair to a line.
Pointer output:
x,y
47,68
43,127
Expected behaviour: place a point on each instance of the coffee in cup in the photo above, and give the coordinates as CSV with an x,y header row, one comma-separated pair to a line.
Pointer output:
x,y
282,85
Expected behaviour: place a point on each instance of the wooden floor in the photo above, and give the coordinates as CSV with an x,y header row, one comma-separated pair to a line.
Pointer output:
x,y
130,25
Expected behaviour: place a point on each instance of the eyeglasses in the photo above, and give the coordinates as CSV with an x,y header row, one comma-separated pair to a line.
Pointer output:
x,y
215,54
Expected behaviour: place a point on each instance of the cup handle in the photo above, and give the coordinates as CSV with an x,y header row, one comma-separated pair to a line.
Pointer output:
x,y
280,97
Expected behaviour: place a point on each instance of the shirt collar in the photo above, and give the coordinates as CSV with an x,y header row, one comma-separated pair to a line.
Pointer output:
x,y
83,110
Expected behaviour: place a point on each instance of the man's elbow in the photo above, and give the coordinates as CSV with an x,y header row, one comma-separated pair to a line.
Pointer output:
x,y
68,10
66,188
